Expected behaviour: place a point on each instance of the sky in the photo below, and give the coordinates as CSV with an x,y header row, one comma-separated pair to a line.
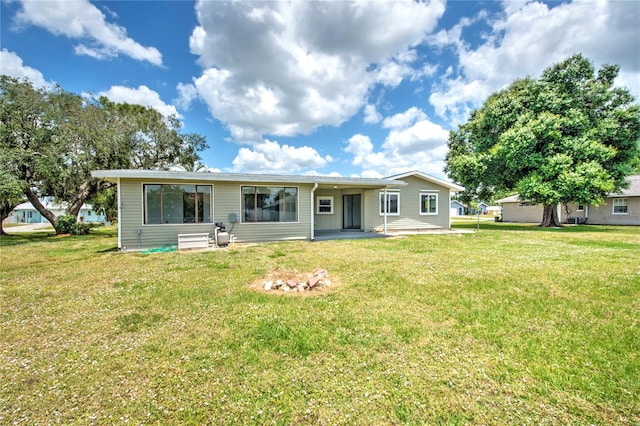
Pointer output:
x,y
334,88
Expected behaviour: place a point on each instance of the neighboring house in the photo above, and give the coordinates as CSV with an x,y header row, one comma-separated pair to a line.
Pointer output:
x,y
457,208
493,210
483,207
618,209
26,213
155,206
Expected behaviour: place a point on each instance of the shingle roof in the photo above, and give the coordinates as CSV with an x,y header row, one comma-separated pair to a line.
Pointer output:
x,y
634,187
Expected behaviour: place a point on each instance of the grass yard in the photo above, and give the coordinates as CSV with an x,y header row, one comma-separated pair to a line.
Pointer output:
x,y
510,325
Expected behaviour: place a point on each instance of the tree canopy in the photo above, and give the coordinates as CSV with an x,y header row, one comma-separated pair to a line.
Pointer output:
x,y
569,136
52,140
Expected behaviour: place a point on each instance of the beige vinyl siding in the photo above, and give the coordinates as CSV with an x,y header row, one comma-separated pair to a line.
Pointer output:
x,y
410,217
226,200
152,235
325,222
335,221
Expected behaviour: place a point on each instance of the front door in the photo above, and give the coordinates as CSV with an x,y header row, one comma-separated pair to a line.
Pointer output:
x,y
351,211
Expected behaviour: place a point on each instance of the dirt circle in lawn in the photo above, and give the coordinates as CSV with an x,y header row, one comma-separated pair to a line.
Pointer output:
x,y
295,283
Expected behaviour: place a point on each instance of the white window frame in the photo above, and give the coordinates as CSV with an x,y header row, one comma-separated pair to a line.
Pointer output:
x,y
617,202
428,194
380,205
580,207
263,222
319,200
144,204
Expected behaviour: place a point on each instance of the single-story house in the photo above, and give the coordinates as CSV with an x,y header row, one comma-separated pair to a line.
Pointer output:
x,y
460,209
154,207
27,213
457,208
618,209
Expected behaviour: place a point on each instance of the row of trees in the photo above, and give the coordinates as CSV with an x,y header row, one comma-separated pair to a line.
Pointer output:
x,y
569,136
51,140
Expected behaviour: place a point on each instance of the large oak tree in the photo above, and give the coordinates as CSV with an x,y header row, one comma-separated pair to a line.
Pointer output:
x,y
52,139
569,136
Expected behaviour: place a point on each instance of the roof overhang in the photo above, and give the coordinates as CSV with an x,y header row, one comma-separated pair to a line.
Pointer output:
x,y
429,178
322,181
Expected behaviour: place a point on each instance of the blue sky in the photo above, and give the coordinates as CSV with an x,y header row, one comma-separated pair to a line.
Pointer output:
x,y
343,88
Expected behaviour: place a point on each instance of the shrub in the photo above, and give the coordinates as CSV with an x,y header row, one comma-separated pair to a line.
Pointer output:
x,y
65,224
69,225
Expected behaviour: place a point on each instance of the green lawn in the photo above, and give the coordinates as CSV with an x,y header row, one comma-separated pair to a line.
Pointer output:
x,y
510,325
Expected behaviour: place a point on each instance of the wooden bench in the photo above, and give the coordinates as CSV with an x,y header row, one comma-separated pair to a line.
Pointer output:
x,y
193,241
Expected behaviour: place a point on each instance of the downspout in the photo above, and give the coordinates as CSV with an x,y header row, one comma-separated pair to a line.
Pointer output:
x,y
449,205
385,207
119,214
313,210
586,213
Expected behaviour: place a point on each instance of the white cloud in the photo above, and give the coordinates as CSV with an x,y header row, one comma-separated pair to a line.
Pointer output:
x,y
413,143
140,96
11,64
79,19
404,119
187,93
271,157
530,36
371,115
286,68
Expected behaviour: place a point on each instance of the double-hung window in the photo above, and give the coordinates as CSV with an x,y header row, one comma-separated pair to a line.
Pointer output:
x,y
428,203
620,206
171,204
269,204
392,203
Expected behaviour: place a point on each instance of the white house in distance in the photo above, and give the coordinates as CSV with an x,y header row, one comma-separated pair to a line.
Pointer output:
x,y
27,213
619,209
154,207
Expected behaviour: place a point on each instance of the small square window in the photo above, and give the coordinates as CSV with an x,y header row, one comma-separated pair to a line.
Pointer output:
x,y
324,205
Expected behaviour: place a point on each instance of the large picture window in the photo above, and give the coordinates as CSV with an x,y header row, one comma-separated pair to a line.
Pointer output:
x,y
620,206
392,203
428,203
171,204
269,204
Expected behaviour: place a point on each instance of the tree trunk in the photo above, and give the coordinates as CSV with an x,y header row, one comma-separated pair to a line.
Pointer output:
x,y
78,201
6,208
550,216
47,214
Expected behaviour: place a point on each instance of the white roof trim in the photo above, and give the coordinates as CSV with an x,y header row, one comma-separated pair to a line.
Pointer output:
x,y
112,175
428,178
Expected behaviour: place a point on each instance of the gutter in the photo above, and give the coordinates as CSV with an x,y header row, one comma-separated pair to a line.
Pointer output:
x,y
313,191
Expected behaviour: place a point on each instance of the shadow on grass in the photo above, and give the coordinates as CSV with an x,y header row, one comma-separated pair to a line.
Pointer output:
x,y
34,237
26,238
505,226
